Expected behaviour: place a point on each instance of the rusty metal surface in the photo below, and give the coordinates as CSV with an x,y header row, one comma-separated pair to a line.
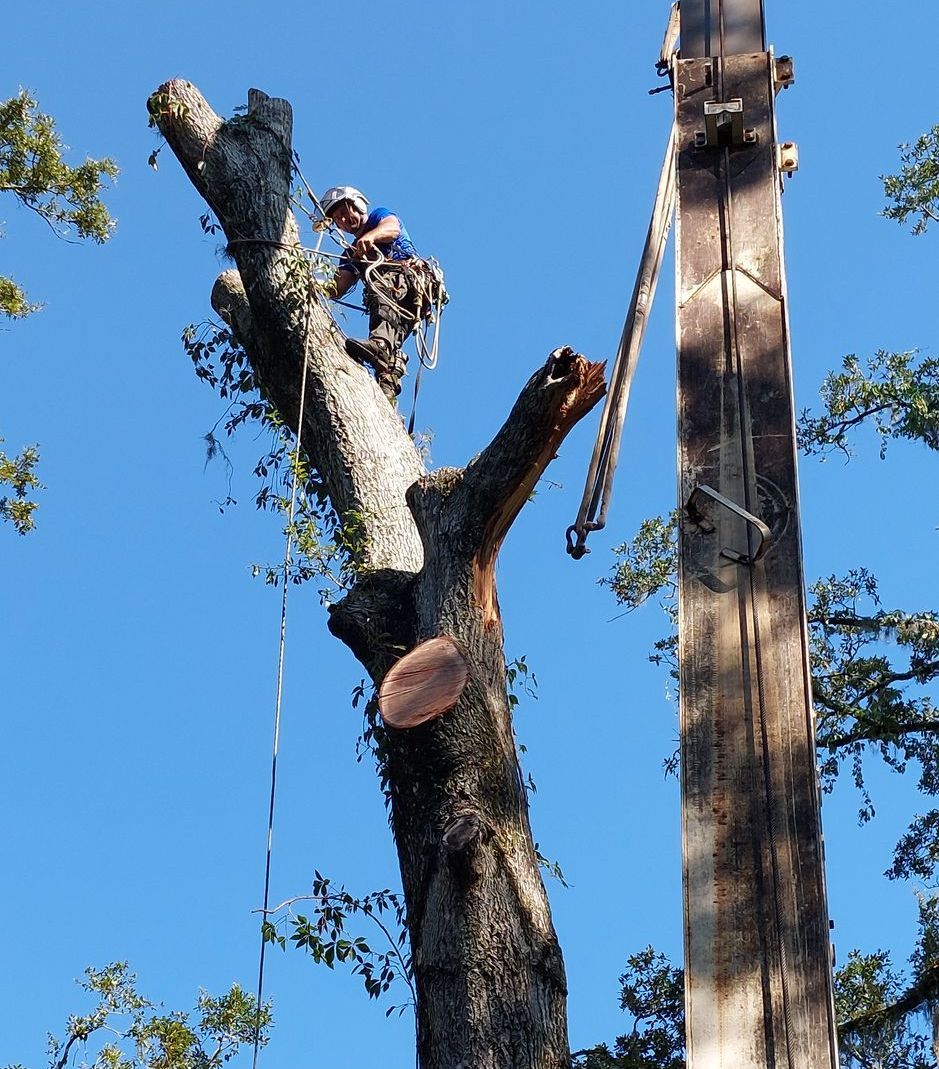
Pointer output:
x,y
757,955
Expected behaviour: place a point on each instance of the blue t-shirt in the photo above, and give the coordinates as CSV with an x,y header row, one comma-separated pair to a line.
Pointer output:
x,y
402,248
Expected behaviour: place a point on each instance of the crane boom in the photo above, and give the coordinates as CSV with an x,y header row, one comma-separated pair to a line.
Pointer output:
x,y
757,951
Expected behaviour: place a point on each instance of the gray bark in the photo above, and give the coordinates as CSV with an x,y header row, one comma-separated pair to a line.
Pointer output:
x,y
487,966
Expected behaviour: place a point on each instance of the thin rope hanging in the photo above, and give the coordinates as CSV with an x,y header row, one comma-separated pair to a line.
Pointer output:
x,y
278,701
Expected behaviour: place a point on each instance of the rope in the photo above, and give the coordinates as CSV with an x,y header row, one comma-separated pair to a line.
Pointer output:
x,y
428,360
433,292
288,552
599,484
417,390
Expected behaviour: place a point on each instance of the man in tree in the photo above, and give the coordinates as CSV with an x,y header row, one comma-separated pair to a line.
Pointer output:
x,y
384,258
422,549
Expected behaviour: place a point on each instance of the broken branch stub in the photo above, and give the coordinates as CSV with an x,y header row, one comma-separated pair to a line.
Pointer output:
x,y
423,684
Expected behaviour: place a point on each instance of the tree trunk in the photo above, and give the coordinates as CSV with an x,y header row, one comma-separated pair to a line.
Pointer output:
x,y
487,967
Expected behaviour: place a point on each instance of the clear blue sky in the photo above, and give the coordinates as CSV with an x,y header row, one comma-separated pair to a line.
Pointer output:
x,y
520,147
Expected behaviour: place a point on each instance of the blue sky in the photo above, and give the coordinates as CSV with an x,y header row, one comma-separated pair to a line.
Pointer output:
x,y
521,148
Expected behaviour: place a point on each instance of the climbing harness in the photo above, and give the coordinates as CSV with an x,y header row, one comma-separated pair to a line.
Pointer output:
x,y
436,298
427,274
431,297
599,485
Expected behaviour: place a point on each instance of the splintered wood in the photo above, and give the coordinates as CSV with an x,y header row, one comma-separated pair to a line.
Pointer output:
x,y
424,684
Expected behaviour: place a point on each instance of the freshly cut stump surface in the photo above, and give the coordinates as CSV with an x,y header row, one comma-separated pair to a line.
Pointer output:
x,y
424,684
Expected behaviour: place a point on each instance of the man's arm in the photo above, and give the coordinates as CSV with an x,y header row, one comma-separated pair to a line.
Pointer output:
x,y
341,284
363,249
386,230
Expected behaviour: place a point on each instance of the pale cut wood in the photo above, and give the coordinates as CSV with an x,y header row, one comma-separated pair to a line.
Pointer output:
x,y
424,684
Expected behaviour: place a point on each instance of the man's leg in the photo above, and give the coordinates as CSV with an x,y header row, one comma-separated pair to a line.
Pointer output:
x,y
390,303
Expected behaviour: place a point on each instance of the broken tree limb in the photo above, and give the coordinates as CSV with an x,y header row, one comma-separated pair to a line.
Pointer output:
x,y
475,508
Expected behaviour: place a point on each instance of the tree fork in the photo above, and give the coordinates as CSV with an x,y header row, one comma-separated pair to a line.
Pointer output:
x,y
487,966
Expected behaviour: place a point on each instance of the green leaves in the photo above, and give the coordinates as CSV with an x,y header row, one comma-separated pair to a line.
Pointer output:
x,y
162,105
871,673
326,547
896,394
876,1004
648,566
19,473
873,1004
914,191
323,935
68,199
131,1033
14,303
520,677
652,993
32,170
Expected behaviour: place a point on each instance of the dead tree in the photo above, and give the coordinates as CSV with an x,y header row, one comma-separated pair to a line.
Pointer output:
x,y
487,967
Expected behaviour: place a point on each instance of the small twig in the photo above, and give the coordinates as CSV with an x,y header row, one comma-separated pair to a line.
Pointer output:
x,y
871,735
63,1060
42,215
929,669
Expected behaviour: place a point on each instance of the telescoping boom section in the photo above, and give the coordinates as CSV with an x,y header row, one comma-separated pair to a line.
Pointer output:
x,y
757,950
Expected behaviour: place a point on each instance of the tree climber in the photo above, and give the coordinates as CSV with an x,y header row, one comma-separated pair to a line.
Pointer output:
x,y
384,258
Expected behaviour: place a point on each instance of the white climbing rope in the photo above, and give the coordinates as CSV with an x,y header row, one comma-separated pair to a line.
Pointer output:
x,y
278,701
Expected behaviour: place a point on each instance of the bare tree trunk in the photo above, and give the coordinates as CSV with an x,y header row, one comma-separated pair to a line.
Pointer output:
x,y
488,969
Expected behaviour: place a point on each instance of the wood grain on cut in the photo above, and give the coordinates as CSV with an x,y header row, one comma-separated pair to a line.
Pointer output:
x,y
424,684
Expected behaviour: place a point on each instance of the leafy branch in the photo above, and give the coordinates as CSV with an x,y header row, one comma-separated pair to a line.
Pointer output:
x,y
32,169
914,190
895,393
19,473
323,934
325,546
652,993
126,1031
860,692
878,1008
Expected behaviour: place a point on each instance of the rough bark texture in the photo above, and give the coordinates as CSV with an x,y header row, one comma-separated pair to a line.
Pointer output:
x,y
487,966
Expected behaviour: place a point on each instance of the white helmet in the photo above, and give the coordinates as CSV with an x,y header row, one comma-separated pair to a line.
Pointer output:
x,y
334,196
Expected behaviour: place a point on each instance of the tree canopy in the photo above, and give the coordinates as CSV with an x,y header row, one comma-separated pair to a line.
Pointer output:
x,y
68,199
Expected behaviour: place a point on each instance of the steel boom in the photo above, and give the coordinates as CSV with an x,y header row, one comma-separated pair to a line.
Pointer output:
x,y
757,950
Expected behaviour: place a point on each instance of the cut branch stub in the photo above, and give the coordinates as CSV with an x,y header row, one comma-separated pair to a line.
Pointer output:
x,y
424,684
